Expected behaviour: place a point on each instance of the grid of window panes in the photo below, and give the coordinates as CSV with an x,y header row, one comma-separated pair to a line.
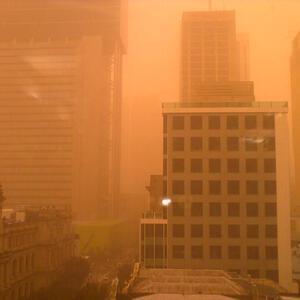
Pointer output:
x,y
220,171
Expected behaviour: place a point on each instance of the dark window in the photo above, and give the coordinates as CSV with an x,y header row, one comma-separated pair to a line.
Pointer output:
x,y
251,165
159,251
178,122
251,187
234,252
232,143
214,122
178,230
233,187
149,251
196,252
196,209
215,252
268,122
165,145
149,230
271,231
215,209
159,230
165,188
196,230
250,144
196,122
253,252
270,187
214,143
233,209
165,167
178,209
252,209
269,144
270,210
196,143
253,273
232,122
269,165
178,144
165,123
271,252
178,187
178,251
215,231
196,165
178,165
214,165
215,187
250,122
233,231
233,165
272,274
252,231
196,187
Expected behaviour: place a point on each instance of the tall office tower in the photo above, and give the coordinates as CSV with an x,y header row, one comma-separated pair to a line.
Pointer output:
x,y
208,49
226,171
212,53
60,97
295,108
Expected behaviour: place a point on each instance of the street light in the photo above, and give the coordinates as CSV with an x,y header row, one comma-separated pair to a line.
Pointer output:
x,y
166,201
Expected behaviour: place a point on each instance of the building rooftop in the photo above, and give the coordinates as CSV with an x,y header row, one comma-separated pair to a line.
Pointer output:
x,y
254,104
226,107
194,282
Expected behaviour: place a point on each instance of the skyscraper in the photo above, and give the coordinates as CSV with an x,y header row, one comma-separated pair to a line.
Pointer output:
x,y
61,103
295,109
208,49
214,59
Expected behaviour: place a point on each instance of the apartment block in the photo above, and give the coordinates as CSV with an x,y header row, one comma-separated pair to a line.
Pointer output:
x,y
226,171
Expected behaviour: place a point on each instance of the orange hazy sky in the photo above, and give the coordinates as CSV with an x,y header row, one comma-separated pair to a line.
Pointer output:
x,y
151,68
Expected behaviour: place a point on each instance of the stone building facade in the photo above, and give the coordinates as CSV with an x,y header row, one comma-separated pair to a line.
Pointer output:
x,y
32,250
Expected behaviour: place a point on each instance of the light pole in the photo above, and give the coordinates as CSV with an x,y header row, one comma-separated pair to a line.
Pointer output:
x,y
165,203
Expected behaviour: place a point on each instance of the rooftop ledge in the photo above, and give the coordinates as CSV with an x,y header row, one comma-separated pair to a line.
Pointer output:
x,y
225,107
254,104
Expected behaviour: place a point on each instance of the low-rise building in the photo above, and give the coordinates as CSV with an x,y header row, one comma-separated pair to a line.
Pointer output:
x,y
33,250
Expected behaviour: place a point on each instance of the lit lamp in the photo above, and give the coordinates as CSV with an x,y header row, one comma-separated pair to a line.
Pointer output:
x,y
166,201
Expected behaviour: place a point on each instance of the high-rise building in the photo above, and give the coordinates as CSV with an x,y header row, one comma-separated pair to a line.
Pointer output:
x,y
295,111
60,95
226,171
208,49
212,54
